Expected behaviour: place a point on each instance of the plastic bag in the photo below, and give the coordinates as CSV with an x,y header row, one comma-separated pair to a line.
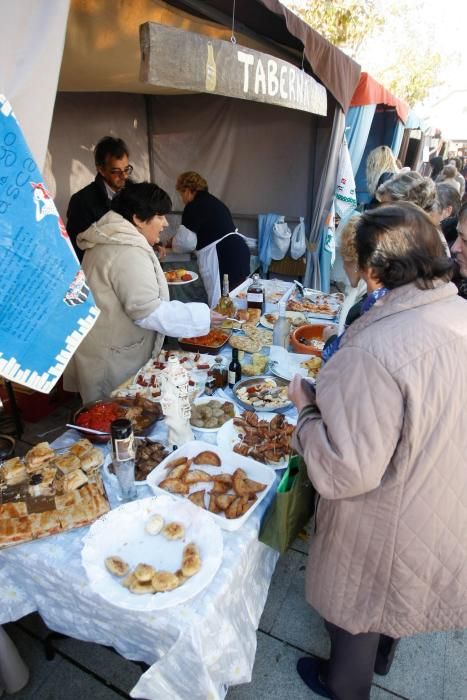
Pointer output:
x,y
281,235
184,241
298,241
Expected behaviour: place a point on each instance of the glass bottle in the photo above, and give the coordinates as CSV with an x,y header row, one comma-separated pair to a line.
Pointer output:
x,y
219,372
281,330
235,369
123,456
255,294
225,305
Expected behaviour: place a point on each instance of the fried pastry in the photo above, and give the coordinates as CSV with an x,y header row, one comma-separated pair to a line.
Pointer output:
x,y
67,463
180,576
196,475
39,454
81,447
197,497
219,488
140,588
176,463
46,523
91,460
144,573
223,502
207,457
213,507
253,486
224,479
239,477
154,525
173,531
14,471
74,480
13,510
237,508
190,550
175,486
128,580
179,471
191,564
164,581
116,565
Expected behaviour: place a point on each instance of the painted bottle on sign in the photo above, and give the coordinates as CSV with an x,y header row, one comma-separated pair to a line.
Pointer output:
x,y
211,71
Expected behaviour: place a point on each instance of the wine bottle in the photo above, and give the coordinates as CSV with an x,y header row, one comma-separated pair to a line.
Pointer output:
x,y
235,369
255,294
280,333
225,305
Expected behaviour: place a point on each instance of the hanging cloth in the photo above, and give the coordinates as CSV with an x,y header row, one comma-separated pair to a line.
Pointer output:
x,y
208,265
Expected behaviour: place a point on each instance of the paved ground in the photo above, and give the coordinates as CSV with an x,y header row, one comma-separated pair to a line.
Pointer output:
x,y
427,667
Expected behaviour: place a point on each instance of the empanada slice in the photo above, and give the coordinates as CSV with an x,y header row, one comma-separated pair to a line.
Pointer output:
x,y
197,497
174,486
213,507
253,486
196,475
237,507
223,502
207,457
180,471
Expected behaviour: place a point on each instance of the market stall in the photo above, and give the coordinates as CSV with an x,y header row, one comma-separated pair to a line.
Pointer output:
x,y
203,639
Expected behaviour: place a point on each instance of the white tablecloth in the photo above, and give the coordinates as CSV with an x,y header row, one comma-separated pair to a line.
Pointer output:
x,y
194,650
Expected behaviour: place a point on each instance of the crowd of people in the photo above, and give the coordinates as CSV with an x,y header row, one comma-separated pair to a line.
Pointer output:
x,y
384,431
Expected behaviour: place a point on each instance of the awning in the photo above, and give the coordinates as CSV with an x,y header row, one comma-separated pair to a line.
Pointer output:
x,y
370,92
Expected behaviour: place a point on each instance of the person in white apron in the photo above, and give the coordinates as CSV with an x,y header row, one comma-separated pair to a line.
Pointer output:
x,y
220,249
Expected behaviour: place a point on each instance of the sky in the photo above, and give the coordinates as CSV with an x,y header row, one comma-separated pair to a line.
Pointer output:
x,y
437,25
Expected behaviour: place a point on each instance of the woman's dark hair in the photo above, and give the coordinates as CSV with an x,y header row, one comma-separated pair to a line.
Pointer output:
x,y
143,199
402,245
109,146
436,163
448,196
462,211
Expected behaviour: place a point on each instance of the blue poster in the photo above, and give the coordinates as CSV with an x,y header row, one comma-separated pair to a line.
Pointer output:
x,y
46,308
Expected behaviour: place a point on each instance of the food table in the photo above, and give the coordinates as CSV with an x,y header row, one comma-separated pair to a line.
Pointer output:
x,y
194,650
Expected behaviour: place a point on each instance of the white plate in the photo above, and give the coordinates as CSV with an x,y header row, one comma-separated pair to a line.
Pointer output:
x,y
228,436
285,364
121,532
206,399
230,462
194,276
291,315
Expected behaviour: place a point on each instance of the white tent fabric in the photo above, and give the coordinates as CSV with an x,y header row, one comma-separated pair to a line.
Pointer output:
x,y
32,46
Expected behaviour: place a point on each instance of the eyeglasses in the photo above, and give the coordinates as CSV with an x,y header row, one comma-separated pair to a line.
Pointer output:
x,y
118,171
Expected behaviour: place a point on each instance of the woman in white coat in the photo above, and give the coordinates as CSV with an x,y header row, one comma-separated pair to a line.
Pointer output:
x,y
131,292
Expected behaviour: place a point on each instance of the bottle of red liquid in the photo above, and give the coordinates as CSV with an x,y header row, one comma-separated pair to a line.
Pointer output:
x,y
255,294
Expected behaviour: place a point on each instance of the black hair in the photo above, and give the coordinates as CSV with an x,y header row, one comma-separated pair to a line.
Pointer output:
x,y
141,199
436,163
462,211
448,197
109,146
401,244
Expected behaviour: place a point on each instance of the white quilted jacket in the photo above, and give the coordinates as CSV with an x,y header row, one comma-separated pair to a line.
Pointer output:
x,y
388,454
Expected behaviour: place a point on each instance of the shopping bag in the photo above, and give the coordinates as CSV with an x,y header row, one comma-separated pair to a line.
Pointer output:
x,y
184,241
291,509
281,235
298,241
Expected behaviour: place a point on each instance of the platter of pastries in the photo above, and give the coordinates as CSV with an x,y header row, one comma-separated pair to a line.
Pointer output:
x,y
228,486
295,319
316,303
265,437
48,492
152,553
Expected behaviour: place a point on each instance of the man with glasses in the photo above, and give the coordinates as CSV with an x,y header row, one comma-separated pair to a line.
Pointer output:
x,y
93,201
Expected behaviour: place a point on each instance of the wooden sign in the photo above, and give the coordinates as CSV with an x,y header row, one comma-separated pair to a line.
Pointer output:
x,y
174,58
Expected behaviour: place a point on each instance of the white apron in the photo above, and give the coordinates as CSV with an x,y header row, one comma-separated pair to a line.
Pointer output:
x,y
208,265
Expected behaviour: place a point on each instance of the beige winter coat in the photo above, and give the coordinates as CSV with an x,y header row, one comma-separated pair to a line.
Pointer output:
x,y
128,283
388,454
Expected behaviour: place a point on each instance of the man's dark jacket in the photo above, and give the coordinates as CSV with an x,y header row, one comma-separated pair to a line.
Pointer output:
x,y
86,206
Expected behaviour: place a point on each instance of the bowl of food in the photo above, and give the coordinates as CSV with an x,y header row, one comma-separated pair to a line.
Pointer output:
x,y
210,343
308,339
98,415
263,393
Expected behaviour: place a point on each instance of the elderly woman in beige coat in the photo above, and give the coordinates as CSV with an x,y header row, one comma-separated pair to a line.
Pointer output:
x,y
131,293
384,439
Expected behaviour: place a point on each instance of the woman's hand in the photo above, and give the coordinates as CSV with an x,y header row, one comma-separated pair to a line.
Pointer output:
x,y
217,319
301,392
161,252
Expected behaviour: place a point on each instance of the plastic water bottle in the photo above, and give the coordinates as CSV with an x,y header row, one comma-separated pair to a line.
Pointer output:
x,y
280,333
